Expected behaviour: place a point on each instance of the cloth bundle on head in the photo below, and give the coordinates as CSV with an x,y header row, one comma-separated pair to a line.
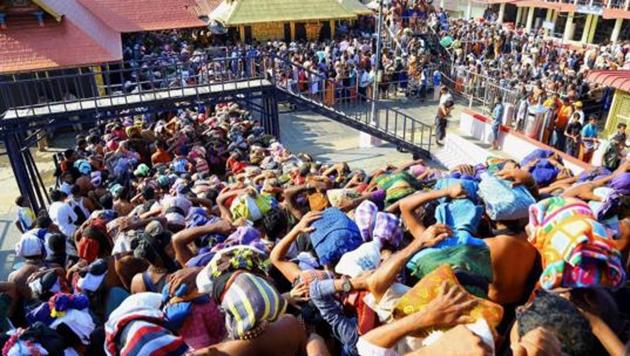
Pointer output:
x,y
544,172
339,197
83,166
142,170
381,226
29,246
575,248
46,283
251,208
250,303
227,261
504,201
364,216
96,178
68,309
334,235
620,186
472,262
469,186
93,278
244,235
37,339
137,327
396,186
460,215
418,297
365,258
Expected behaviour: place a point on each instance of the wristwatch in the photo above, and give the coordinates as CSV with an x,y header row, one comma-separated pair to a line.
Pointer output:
x,y
346,286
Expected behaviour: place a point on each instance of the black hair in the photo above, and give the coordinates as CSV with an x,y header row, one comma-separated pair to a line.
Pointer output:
x,y
275,222
106,201
57,243
622,125
561,318
20,200
75,189
148,193
43,222
212,195
68,153
57,195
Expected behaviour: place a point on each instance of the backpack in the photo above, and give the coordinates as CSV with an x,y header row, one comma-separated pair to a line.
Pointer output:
x,y
335,234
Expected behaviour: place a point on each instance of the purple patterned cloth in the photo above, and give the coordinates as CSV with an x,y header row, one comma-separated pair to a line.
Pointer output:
x,y
364,217
387,229
244,235
621,186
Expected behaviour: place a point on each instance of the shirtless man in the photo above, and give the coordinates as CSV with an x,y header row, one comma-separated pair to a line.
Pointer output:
x,y
512,256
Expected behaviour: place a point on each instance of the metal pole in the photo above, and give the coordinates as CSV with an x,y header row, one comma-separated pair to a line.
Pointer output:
x,y
377,63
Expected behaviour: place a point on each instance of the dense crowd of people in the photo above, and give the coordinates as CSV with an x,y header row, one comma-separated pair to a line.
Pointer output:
x,y
195,231
532,73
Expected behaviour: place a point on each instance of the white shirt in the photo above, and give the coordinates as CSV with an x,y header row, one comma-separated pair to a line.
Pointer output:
x,y
64,217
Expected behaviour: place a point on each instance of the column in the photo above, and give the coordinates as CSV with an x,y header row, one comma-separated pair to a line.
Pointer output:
x,y
569,28
292,24
469,9
501,13
616,30
241,32
442,4
333,28
519,13
592,29
548,18
530,19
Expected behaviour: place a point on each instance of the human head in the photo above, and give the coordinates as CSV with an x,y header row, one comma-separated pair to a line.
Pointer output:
x,y
106,201
561,318
58,195
621,127
22,201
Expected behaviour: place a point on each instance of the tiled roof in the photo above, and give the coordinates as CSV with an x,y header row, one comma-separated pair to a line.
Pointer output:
x,y
26,46
145,15
618,79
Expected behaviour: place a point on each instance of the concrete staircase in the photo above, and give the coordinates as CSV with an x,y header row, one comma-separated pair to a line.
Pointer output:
x,y
459,150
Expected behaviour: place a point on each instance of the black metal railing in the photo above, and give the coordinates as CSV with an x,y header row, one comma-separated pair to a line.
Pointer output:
x,y
125,83
355,105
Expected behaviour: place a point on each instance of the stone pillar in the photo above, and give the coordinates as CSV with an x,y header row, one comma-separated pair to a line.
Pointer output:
x,y
569,28
292,24
530,19
501,13
519,13
616,30
333,28
587,28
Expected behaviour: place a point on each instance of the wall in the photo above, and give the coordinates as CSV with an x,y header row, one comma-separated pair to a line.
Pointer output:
x,y
513,143
312,30
619,111
268,31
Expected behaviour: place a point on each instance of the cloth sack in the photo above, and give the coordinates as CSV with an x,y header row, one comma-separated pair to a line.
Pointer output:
x,y
473,261
575,248
504,201
250,301
366,257
364,216
418,297
396,186
334,235
459,215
